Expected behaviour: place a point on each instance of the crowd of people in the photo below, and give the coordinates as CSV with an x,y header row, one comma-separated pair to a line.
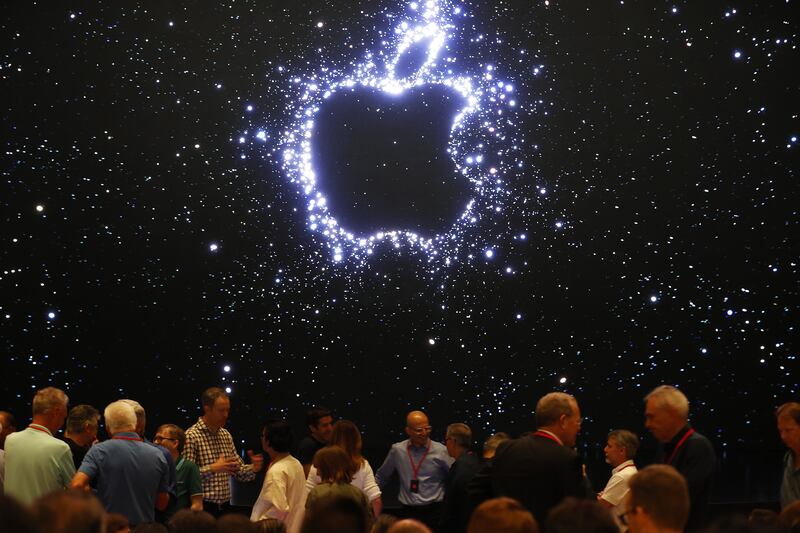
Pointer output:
x,y
181,480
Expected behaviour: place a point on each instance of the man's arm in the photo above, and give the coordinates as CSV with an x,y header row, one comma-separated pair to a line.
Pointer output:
x,y
480,488
66,467
386,470
162,500
698,467
81,482
197,502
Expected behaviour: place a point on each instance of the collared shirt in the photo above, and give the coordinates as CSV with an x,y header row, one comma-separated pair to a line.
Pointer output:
x,y
36,463
203,448
790,484
187,484
78,451
431,475
283,494
128,474
617,487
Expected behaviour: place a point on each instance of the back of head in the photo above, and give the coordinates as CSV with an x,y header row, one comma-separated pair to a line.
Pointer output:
x,y
70,511
662,492
117,523
408,525
236,523
119,416
587,516
188,521
279,435
382,523
15,517
137,408
551,407
494,441
461,434
342,515
79,416
45,400
502,515
151,527
270,525
333,464
667,396
346,435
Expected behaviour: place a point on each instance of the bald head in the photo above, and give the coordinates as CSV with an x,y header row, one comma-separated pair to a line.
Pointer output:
x,y
418,428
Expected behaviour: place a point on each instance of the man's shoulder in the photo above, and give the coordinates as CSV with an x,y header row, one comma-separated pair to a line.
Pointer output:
x,y
438,447
698,441
400,446
534,447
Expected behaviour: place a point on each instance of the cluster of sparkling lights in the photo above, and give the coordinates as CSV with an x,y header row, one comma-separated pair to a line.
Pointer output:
x,y
478,146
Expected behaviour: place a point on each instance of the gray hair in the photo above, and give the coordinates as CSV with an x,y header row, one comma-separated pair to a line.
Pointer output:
x,y
120,416
137,408
48,399
460,433
494,441
79,416
551,406
671,398
626,439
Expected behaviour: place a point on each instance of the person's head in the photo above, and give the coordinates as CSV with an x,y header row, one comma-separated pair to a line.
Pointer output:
x,y
171,437
320,423
382,523
236,523
666,412
408,525
491,444
69,511
502,515
16,517
458,439
8,425
789,518
418,428
621,446
189,521
117,523
346,434
334,465
152,527
788,417
270,525
49,408
658,499
82,423
559,413
586,516
141,416
216,407
119,417
343,515
276,437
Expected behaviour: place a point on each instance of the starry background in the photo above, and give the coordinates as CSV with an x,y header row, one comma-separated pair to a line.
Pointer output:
x,y
152,246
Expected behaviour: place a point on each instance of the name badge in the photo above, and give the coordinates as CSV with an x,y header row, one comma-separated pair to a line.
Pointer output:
x,y
414,485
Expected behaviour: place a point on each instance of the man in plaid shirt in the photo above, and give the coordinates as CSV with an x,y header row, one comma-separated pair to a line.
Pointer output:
x,y
210,446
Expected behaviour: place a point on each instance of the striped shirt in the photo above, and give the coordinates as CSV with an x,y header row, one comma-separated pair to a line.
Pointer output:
x,y
203,448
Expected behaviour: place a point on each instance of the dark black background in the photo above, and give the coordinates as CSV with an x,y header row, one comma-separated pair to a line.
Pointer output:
x,y
670,167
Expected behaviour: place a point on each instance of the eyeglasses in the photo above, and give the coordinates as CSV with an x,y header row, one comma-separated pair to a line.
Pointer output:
x,y
159,438
422,430
623,518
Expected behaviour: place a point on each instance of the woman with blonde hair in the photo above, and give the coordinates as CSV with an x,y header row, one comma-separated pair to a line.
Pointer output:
x,y
347,436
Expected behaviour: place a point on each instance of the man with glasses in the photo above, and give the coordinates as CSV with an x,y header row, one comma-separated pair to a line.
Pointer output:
x,y
189,491
422,466
658,501
541,469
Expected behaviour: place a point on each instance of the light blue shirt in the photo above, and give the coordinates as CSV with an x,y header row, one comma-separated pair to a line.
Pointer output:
x,y
431,474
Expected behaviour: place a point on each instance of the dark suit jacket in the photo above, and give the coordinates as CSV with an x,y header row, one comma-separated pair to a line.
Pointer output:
x,y
456,508
697,462
536,471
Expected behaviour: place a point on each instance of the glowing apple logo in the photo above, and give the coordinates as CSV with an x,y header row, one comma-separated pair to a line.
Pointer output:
x,y
478,146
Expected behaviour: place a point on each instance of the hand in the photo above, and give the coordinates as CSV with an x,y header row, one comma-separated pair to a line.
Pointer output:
x,y
227,465
257,459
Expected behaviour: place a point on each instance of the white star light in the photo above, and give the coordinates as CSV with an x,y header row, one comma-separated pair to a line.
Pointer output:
x,y
479,124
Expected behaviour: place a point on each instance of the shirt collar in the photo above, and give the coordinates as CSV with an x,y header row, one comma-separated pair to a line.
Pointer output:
x,y
40,427
622,466
551,434
410,445
204,426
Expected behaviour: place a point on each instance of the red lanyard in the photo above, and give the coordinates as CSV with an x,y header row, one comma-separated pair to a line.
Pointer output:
x,y
117,437
678,446
415,468
547,436
39,428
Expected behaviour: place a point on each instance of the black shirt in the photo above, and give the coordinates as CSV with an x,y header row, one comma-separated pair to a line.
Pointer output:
x,y
307,448
78,451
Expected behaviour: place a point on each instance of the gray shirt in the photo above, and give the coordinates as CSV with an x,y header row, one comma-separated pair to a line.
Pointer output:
x,y
790,485
431,474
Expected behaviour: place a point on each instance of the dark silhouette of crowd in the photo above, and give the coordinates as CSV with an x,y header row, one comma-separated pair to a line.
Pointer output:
x,y
181,480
